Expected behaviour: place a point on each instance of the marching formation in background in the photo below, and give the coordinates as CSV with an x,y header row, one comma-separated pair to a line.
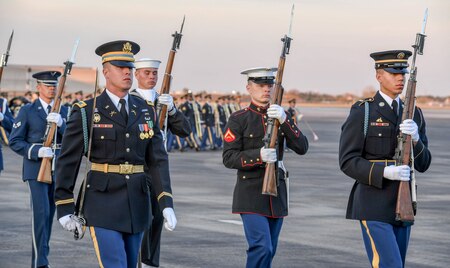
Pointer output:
x,y
125,135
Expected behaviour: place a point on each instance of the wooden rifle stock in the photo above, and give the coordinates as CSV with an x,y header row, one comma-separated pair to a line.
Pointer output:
x,y
45,171
166,87
404,211
168,73
270,177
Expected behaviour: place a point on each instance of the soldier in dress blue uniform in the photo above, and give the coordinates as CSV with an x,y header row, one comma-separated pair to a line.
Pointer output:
x,y
188,110
292,111
368,159
147,76
127,147
26,139
6,122
222,121
208,121
244,150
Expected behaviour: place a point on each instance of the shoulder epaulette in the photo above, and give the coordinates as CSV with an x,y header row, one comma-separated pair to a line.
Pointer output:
x,y
150,103
80,104
361,102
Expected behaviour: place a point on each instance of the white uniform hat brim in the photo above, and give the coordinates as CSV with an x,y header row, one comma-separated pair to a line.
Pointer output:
x,y
260,72
146,63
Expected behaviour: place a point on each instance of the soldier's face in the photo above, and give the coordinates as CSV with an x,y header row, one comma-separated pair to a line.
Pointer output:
x,y
47,93
391,84
147,77
117,78
260,93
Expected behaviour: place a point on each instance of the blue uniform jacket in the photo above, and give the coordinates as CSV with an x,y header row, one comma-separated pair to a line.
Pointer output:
x,y
6,124
27,136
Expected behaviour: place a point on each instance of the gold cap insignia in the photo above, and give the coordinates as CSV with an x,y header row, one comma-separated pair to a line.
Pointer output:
x,y
400,55
379,120
127,47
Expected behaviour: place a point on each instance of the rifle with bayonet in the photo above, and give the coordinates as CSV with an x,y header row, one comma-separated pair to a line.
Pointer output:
x,y
45,171
406,198
165,88
3,63
271,137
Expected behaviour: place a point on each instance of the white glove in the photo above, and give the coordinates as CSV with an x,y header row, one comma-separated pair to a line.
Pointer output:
x,y
45,152
397,173
166,99
277,112
55,118
268,155
409,127
170,221
1,117
69,224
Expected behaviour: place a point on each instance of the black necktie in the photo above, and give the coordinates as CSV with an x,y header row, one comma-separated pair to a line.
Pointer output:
x,y
49,109
123,110
395,107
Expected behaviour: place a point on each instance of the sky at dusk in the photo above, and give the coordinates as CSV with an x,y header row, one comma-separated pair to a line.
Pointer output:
x,y
329,53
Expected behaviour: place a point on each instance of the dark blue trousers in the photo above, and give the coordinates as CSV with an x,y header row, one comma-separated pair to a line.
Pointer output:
x,y
115,249
262,237
42,210
208,134
386,244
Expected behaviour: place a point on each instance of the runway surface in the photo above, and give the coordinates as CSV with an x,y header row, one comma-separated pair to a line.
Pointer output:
x,y
315,234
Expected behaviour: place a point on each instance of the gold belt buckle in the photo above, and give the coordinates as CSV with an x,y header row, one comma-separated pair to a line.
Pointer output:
x,y
125,169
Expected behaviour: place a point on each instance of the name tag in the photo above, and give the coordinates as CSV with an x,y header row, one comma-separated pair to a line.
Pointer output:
x,y
103,125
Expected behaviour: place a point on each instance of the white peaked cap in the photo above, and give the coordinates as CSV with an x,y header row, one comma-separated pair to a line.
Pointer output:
x,y
146,63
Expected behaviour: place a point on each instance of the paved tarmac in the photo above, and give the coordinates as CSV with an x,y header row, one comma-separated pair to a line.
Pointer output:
x,y
316,233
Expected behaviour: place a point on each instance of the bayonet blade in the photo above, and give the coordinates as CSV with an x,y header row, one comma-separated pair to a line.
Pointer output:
x,y
290,24
424,24
9,43
182,24
74,51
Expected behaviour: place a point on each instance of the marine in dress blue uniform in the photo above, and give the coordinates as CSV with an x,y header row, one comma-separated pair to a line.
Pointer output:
x,y
127,147
368,159
147,76
244,151
6,122
26,139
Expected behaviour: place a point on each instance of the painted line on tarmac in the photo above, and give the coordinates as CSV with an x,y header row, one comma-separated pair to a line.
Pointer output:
x,y
231,221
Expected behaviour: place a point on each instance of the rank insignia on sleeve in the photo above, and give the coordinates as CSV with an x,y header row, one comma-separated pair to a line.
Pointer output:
x,y
229,136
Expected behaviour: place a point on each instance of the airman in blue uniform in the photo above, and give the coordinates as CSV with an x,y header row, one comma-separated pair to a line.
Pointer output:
x,y
244,150
366,154
127,148
26,139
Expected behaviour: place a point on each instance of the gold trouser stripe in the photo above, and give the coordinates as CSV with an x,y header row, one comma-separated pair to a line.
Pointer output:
x,y
210,136
370,174
376,257
95,242
65,201
419,152
164,194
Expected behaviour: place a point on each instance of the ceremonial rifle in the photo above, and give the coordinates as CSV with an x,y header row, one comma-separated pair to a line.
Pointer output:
x,y
3,63
168,73
406,198
271,137
45,171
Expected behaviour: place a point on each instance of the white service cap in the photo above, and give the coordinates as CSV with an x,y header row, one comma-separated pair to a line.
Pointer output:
x,y
146,63
261,75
